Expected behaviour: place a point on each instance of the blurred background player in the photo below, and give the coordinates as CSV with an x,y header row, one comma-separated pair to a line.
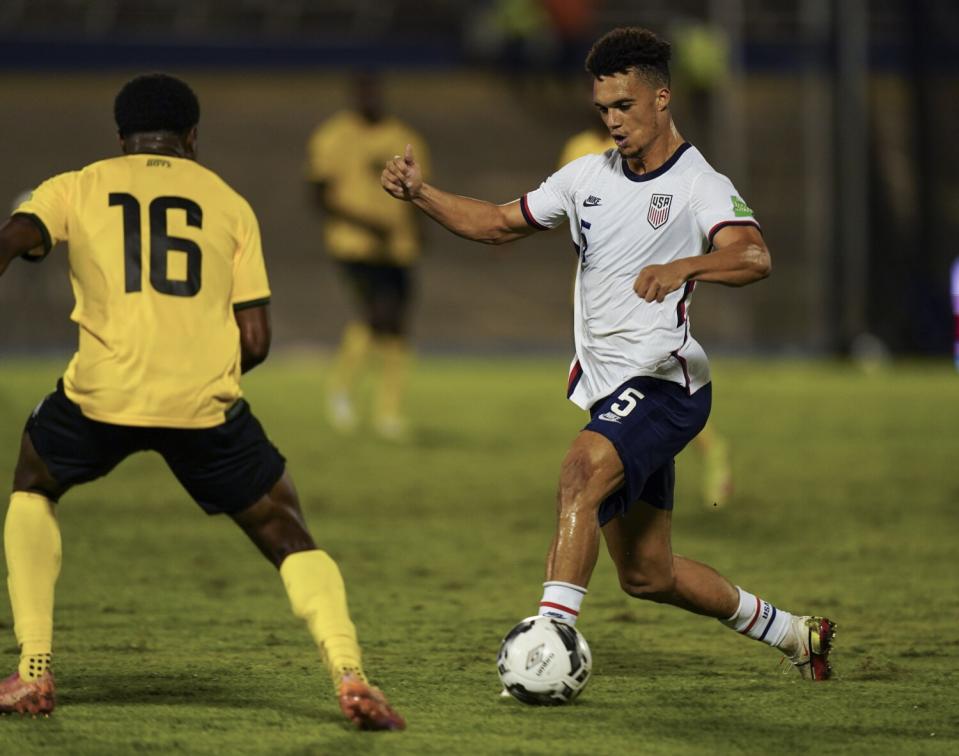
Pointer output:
x,y
375,243
172,304
717,478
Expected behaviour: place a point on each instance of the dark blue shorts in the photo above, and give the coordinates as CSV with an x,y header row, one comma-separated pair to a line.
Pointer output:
x,y
225,468
649,421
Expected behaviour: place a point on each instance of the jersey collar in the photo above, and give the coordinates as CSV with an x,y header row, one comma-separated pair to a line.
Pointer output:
x,y
659,171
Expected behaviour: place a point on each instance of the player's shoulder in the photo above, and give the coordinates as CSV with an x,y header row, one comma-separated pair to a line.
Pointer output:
x,y
394,125
341,122
592,162
215,183
694,167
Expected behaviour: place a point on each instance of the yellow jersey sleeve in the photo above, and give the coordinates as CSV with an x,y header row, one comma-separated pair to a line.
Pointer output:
x,y
48,205
251,287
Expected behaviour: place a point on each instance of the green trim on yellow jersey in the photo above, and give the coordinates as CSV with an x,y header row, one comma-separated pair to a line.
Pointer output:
x,y
42,228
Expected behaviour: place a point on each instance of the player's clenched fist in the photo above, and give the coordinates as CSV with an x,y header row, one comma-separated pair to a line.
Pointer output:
x,y
654,282
402,177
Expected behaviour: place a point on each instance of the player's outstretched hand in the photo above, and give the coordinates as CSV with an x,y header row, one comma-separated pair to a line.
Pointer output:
x,y
654,282
402,177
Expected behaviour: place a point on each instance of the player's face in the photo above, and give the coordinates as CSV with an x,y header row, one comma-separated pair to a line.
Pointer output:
x,y
633,110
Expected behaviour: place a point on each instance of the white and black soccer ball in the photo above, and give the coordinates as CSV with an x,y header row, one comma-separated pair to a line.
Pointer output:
x,y
544,662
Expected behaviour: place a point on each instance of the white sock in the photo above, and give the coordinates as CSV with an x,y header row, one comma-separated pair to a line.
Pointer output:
x,y
761,620
561,600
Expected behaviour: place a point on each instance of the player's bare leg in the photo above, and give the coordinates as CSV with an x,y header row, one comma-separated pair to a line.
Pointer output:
x,y
317,595
590,471
640,546
32,546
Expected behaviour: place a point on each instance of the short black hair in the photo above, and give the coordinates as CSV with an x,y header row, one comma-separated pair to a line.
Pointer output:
x,y
155,102
630,47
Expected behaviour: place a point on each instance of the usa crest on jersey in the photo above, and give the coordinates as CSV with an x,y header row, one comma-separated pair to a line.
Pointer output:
x,y
659,209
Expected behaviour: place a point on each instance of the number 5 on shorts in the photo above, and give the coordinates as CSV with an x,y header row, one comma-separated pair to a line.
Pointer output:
x,y
629,397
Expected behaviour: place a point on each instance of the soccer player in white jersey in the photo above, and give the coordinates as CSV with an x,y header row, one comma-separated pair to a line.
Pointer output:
x,y
642,216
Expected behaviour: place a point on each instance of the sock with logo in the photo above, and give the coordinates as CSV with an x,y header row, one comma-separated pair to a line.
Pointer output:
x,y
762,621
317,594
31,540
561,600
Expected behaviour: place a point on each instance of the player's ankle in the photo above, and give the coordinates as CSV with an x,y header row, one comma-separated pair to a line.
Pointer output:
x,y
561,601
34,666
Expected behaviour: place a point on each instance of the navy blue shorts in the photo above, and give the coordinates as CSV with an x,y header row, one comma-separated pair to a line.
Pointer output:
x,y
225,468
649,421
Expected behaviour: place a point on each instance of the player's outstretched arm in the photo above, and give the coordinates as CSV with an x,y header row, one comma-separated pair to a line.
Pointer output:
x,y
464,216
739,257
255,335
18,236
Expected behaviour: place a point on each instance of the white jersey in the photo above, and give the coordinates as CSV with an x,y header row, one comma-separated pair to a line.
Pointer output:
x,y
621,222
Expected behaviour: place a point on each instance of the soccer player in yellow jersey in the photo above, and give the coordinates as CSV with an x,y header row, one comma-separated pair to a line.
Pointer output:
x,y
717,481
172,304
375,242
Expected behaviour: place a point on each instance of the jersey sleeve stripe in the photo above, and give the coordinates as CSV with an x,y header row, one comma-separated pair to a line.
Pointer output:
x,y
47,241
251,303
524,206
722,224
574,375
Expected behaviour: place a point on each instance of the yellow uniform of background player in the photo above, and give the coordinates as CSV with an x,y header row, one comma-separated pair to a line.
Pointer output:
x,y
717,483
375,243
172,304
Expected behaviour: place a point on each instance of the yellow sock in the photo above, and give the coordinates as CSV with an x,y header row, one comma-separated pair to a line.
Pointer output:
x,y
31,539
317,595
352,353
395,354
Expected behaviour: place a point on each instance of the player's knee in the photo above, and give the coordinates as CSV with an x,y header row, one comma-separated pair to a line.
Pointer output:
x,y
649,582
580,480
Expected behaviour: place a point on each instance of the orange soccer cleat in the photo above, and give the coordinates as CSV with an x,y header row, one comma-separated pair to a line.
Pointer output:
x,y
27,696
366,706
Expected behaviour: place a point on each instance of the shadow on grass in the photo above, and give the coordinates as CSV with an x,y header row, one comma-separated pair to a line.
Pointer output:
x,y
200,689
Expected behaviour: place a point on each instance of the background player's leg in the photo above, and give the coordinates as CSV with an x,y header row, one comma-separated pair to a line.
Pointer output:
x,y
354,349
349,361
388,319
717,479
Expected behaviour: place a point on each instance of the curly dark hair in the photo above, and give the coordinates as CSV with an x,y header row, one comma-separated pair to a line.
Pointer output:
x,y
630,47
155,102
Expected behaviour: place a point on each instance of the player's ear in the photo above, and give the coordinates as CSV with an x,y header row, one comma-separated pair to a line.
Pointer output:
x,y
663,96
191,141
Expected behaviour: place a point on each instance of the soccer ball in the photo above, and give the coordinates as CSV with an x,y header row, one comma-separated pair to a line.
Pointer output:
x,y
544,662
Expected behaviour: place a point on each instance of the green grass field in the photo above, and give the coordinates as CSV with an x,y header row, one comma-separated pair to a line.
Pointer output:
x,y
174,635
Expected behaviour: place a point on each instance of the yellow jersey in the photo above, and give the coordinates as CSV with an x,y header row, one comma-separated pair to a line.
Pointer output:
x,y
161,252
587,142
348,153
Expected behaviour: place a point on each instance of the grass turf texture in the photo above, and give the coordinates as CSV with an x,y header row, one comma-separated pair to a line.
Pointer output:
x,y
173,634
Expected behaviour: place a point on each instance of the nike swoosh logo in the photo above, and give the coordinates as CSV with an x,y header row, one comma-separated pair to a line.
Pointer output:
x,y
588,203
